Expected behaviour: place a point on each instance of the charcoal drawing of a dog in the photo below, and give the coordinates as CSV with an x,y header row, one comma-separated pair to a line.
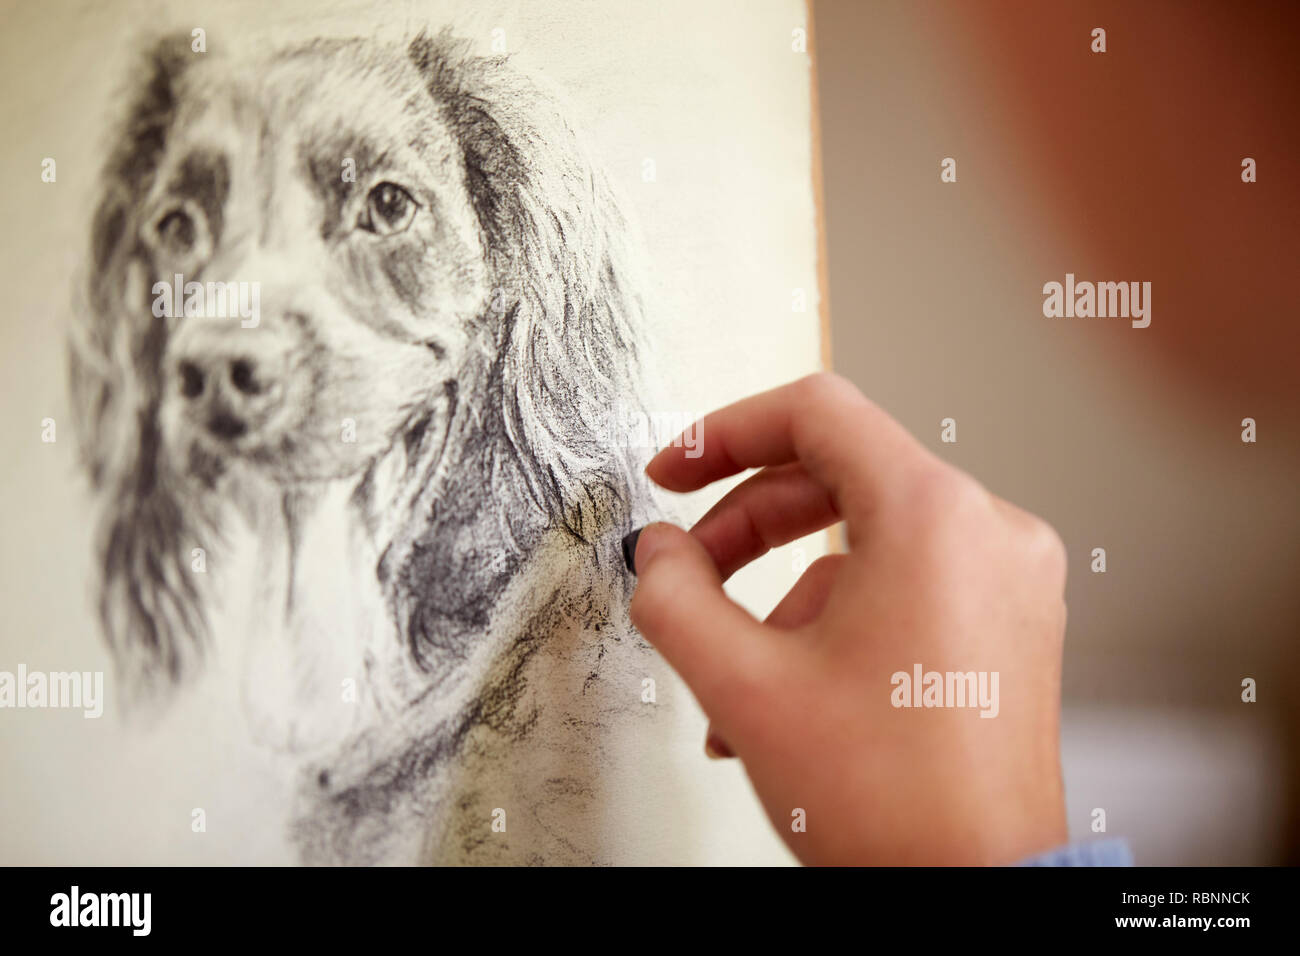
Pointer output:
x,y
414,433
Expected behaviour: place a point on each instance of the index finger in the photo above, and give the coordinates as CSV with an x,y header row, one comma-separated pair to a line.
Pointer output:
x,y
847,443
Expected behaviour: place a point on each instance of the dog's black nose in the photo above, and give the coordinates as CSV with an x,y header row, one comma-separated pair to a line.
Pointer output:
x,y
239,373
225,425
226,392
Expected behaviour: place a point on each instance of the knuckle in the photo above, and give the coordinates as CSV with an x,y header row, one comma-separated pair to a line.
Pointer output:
x,y
823,570
829,388
823,565
1044,544
942,496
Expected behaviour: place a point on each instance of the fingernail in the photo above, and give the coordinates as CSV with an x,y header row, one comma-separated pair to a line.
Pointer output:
x,y
715,748
629,549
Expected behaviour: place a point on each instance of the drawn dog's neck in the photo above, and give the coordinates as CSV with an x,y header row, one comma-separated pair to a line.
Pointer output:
x,y
359,578
521,635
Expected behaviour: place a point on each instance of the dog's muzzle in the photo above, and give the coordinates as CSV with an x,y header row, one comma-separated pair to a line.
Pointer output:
x,y
232,380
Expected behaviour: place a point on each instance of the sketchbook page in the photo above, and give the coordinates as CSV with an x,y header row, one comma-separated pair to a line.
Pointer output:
x,y
337,336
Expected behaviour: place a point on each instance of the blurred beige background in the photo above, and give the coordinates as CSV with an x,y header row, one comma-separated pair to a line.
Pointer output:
x,y
1120,166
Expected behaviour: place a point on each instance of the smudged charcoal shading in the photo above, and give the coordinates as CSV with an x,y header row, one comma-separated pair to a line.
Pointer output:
x,y
484,343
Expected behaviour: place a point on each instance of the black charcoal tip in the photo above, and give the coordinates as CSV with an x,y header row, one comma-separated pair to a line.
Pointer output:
x,y
629,549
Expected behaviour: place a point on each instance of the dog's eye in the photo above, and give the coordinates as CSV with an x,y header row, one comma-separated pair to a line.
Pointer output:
x,y
176,231
389,209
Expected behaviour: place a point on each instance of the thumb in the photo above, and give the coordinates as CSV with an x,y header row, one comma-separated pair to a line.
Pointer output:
x,y
717,647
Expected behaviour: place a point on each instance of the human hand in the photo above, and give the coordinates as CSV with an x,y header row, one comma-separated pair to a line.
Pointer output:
x,y
938,573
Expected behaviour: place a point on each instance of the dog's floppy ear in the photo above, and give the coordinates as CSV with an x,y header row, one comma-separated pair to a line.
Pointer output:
x,y
147,600
567,287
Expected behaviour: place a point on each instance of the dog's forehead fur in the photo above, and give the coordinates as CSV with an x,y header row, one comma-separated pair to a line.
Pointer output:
x,y
320,107
279,149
